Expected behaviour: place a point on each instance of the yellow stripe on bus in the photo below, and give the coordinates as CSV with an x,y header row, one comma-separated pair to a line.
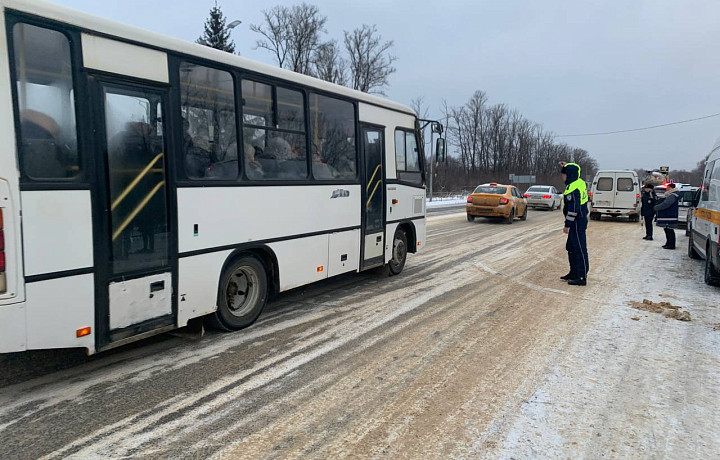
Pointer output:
x,y
708,215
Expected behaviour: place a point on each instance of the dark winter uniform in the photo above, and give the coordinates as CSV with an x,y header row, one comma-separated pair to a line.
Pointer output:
x,y
576,212
649,200
667,217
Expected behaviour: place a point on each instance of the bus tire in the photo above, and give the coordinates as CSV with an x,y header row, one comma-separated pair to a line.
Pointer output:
x,y
399,253
712,277
243,292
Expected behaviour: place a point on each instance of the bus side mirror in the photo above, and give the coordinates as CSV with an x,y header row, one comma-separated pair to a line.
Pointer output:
x,y
440,150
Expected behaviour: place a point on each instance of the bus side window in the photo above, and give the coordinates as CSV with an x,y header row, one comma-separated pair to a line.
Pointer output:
x,y
407,157
332,138
208,116
44,83
273,132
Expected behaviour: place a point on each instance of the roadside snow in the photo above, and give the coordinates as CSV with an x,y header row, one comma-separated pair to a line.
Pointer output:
x,y
442,202
635,384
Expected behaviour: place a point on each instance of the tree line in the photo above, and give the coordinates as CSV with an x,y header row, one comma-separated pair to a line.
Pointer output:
x,y
494,141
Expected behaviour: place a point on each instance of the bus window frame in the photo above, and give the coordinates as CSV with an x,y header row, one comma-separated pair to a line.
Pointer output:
x,y
237,99
274,86
421,158
239,73
83,179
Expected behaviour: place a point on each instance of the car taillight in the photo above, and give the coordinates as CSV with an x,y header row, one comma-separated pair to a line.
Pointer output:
x,y
469,199
547,196
527,195
504,201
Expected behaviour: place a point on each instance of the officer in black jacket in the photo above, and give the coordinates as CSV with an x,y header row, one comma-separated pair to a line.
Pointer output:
x,y
649,200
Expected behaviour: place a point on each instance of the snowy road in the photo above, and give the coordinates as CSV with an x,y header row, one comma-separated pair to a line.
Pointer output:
x,y
475,350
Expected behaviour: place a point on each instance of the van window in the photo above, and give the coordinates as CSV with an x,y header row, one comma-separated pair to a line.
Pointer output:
x,y
605,184
624,184
704,196
715,182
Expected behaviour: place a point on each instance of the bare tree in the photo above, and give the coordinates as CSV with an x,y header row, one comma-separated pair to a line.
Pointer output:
x,y
370,59
421,110
292,34
493,141
329,64
274,29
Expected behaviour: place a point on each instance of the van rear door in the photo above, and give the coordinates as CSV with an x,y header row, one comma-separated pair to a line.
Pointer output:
x,y
625,191
604,196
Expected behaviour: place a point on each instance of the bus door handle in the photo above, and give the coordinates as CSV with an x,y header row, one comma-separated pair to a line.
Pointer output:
x,y
378,240
156,286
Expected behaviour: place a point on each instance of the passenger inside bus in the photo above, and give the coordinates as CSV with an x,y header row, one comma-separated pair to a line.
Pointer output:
x,y
197,160
253,168
44,153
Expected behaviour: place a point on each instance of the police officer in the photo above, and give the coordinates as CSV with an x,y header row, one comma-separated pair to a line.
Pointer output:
x,y
575,208
649,200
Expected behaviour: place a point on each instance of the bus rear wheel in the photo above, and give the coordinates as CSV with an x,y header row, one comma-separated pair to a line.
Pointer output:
x,y
242,294
399,252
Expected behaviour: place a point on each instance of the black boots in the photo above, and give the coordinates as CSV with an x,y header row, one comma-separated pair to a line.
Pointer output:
x,y
577,282
566,277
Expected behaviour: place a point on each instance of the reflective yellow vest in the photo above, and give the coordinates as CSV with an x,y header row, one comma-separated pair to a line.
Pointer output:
x,y
578,185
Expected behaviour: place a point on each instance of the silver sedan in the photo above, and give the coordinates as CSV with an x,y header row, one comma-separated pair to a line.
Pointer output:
x,y
543,196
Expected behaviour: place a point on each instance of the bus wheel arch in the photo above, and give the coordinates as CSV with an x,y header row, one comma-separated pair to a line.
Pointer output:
x,y
410,234
248,278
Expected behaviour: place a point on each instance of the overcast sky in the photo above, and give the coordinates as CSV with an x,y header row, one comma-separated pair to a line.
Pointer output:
x,y
574,66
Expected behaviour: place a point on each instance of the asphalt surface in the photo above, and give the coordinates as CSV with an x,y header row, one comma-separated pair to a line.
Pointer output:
x,y
363,365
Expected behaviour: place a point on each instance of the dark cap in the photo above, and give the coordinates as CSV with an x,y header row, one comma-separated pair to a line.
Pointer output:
x,y
650,186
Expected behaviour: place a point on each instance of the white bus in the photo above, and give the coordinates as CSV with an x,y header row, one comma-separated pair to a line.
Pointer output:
x,y
147,181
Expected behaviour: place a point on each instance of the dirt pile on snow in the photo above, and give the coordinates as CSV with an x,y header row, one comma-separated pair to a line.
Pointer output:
x,y
666,309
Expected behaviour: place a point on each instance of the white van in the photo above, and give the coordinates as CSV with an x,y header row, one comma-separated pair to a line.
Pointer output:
x,y
615,193
704,224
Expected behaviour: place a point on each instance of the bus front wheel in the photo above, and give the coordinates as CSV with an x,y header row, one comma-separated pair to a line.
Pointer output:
x,y
399,252
242,294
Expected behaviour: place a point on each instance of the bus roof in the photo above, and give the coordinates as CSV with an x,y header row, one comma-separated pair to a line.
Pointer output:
x,y
113,29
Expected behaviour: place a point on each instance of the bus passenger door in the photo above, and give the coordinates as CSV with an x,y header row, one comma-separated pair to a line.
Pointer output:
x,y
373,221
134,241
